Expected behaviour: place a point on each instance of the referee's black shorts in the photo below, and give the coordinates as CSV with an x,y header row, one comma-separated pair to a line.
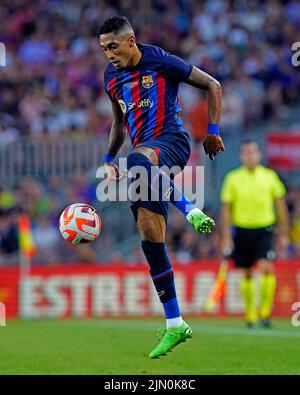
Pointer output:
x,y
251,245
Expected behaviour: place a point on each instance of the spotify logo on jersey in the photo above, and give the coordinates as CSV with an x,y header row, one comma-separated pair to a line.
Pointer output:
x,y
141,104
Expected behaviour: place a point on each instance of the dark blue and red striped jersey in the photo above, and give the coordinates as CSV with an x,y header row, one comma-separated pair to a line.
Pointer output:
x,y
148,93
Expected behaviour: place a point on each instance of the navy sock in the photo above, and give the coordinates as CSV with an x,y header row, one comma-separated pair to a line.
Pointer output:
x,y
161,187
162,276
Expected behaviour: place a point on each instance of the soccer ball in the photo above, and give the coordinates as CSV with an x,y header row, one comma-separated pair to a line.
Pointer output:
x,y
80,223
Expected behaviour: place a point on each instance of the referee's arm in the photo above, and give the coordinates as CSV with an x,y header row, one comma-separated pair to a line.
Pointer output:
x,y
226,239
227,197
283,222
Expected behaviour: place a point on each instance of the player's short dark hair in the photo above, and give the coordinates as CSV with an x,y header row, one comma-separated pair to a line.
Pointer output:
x,y
115,25
249,141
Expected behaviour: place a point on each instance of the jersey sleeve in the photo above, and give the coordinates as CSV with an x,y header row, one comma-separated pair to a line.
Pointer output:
x,y
227,190
177,68
109,95
278,189
106,85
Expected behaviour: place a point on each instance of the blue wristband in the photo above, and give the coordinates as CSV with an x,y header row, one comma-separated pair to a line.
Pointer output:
x,y
213,128
107,158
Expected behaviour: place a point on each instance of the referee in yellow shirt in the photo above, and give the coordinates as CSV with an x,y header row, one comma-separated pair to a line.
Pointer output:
x,y
253,199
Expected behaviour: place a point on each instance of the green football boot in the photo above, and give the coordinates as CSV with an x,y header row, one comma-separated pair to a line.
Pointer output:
x,y
200,221
169,338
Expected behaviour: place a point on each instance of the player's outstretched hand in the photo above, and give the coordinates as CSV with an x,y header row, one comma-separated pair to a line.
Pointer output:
x,y
112,171
213,145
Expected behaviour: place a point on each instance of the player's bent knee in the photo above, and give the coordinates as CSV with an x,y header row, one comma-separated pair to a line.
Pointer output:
x,y
151,226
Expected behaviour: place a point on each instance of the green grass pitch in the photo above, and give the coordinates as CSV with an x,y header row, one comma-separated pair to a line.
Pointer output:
x,y
115,346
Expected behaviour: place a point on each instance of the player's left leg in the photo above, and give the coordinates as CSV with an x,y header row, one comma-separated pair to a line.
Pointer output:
x,y
163,187
152,228
267,284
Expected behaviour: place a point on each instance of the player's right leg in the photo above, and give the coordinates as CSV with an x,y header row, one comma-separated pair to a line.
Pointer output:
x,y
152,228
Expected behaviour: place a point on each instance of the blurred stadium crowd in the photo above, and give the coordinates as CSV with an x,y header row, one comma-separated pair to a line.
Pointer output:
x,y
52,88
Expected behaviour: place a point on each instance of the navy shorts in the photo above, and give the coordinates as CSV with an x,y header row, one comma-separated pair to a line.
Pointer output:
x,y
174,151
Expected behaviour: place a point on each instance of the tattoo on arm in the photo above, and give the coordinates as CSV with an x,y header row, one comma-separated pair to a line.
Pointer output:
x,y
117,133
202,80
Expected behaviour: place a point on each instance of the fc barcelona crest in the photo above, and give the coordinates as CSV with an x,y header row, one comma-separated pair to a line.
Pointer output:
x,y
147,81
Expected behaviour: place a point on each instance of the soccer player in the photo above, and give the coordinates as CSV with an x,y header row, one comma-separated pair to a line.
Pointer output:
x,y
142,84
252,197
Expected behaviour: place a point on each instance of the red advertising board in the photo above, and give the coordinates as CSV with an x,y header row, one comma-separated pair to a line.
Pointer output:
x,y
122,291
283,150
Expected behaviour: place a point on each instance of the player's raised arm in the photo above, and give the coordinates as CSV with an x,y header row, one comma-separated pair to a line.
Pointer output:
x,y
116,139
213,143
202,80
